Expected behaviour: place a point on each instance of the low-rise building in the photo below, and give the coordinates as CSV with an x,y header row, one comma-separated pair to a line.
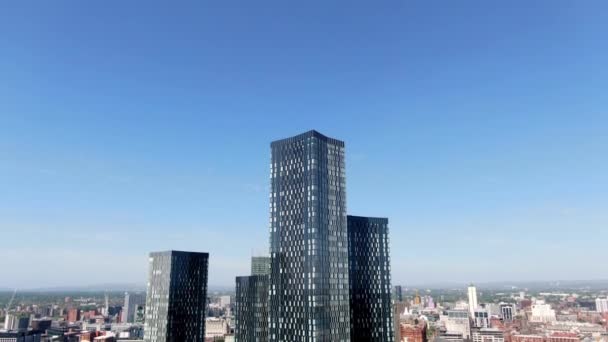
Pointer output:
x,y
563,337
413,332
398,310
542,313
20,336
216,327
457,322
450,336
105,338
527,338
488,335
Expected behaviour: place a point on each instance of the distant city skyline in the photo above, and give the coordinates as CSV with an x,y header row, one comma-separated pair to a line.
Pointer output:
x,y
479,130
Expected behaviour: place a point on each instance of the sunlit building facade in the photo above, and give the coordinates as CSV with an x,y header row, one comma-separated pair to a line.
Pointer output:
x,y
309,287
176,296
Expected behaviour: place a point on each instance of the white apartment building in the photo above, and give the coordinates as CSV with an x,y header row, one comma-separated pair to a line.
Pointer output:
x,y
457,322
216,327
224,301
472,291
601,305
542,312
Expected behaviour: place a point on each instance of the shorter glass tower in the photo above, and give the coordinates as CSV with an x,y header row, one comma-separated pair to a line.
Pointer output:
x,y
177,294
133,301
371,313
260,265
251,309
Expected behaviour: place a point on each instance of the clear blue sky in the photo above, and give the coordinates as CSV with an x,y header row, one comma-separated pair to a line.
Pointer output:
x,y
480,129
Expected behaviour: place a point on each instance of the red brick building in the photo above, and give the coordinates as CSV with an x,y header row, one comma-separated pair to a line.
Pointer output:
x,y
563,337
527,338
413,332
497,323
555,337
73,315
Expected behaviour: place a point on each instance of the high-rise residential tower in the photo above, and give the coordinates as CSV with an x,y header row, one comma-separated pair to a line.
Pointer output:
x,y
308,295
371,312
177,294
601,304
398,293
260,265
472,293
17,322
106,307
507,311
251,303
133,301
251,309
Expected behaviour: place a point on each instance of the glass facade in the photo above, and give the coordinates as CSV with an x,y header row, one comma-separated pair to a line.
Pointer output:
x,y
398,293
371,312
309,287
251,309
176,297
260,265
133,301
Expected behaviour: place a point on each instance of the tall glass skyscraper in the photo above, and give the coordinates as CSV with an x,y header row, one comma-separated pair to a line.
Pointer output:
x,y
177,297
370,280
309,287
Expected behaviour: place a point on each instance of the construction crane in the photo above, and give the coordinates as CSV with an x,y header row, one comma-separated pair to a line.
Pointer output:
x,y
10,302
